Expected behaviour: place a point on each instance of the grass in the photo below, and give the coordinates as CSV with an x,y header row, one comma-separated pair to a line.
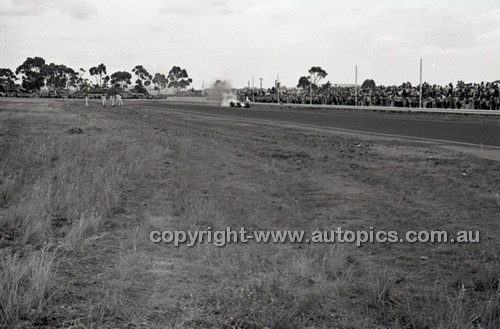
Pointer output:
x,y
76,211
25,282
315,286
55,189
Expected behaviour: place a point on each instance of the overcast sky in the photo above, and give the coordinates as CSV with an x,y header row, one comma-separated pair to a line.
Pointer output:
x,y
233,40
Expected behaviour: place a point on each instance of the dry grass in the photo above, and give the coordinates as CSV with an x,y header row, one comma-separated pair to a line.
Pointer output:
x,y
55,188
61,177
91,199
25,281
317,286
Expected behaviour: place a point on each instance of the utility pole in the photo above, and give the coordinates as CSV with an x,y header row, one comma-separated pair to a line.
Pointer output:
x,y
203,88
253,90
248,89
278,87
420,88
311,89
261,83
356,85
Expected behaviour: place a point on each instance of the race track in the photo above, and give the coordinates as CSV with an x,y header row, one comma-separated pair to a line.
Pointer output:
x,y
463,132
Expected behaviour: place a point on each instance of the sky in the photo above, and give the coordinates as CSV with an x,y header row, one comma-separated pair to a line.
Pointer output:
x,y
235,40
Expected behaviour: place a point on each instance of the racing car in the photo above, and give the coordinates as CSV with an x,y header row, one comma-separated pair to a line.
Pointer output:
x,y
237,103
229,100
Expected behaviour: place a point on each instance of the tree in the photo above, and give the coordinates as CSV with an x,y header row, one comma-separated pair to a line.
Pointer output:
x,y
7,80
304,82
317,73
100,74
140,90
368,84
160,81
121,79
178,78
81,82
68,75
59,77
144,78
31,71
148,82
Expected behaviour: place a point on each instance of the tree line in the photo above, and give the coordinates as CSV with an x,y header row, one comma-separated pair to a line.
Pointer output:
x,y
316,74
35,73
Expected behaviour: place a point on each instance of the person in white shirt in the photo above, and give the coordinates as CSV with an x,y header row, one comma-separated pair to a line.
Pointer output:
x,y
119,100
87,100
103,99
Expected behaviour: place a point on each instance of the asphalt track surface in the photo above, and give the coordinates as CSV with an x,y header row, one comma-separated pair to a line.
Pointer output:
x,y
480,134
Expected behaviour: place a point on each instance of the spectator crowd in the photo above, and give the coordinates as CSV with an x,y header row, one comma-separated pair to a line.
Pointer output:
x,y
483,96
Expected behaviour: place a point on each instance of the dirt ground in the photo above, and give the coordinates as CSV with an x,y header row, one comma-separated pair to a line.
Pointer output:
x,y
209,172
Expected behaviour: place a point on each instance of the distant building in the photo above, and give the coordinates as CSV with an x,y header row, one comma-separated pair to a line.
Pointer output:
x,y
346,85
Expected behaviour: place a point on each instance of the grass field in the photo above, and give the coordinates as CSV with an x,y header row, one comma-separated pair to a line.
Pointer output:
x,y
82,188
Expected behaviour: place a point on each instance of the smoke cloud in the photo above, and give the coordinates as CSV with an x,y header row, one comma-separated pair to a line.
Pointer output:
x,y
220,90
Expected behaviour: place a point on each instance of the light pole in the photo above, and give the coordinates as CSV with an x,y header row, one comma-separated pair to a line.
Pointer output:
x,y
420,88
311,89
278,87
355,85
253,90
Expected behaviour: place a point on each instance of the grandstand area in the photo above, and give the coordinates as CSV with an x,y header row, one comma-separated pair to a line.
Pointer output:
x,y
466,96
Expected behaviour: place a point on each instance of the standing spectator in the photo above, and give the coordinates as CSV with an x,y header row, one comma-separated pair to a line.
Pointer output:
x,y
119,100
